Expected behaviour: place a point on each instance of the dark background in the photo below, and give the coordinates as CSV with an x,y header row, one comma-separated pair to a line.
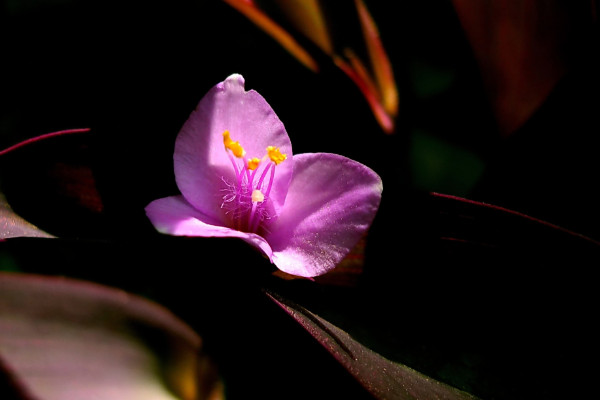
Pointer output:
x,y
133,71
500,323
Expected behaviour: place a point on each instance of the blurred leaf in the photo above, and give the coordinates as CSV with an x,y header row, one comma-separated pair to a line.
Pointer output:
x,y
65,339
11,224
521,51
380,376
374,79
468,221
440,166
259,350
359,75
55,167
430,80
252,12
307,16
382,68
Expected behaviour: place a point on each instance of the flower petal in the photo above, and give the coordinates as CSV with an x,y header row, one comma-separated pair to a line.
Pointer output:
x,y
331,203
201,162
175,216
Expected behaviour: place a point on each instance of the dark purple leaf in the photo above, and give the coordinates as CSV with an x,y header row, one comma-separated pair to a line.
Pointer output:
x,y
518,77
51,167
66,339
472,232
380,376
48,180
470,221
477,295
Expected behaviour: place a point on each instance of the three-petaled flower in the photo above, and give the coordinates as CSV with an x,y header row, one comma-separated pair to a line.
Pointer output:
x,y
237,176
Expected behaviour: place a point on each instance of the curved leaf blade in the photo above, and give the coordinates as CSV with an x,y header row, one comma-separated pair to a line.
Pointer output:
x,y
59,168
382,67
380,376
12,225
66,339
267,24
307,16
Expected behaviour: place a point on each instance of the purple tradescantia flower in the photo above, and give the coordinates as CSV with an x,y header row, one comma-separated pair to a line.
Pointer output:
x,y
234,167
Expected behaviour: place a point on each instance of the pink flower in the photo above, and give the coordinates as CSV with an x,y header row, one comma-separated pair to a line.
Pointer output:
x,y
237,176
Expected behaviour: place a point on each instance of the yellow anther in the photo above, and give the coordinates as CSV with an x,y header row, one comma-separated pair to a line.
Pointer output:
x,y
235,147
226,138
253,163
275,155
257,196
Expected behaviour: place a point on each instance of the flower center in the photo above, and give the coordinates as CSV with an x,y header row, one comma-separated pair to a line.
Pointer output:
x,y
247,199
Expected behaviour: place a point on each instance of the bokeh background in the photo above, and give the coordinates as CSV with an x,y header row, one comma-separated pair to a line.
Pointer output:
x,y
498,103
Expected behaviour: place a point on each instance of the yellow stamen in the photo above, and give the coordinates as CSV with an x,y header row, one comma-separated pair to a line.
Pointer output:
x,y
275,155
235,147
253,163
